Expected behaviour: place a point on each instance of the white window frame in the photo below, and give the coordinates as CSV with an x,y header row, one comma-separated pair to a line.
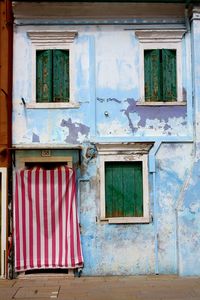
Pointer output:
x,y
3,172
52,40
161,39
124,153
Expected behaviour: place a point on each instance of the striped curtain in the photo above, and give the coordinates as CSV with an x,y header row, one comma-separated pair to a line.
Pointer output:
x,y
46,229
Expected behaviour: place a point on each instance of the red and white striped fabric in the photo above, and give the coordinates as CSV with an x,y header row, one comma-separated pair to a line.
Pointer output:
x,y
46,229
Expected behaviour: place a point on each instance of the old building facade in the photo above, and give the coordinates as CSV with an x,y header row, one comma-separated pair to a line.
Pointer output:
x,y
112,89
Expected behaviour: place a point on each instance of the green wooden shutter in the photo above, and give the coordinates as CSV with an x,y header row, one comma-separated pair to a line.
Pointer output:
x,y
60,75
169,75
123,189
153,75
138,189
43,75
109,189
128,189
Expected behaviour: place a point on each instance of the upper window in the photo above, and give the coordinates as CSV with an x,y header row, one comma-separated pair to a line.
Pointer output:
x,y
53,69
160,67
52,76
160,75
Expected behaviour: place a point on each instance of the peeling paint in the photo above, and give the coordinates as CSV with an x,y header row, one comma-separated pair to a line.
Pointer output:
x,y
151,113
143,120
106,88
35,138
75,129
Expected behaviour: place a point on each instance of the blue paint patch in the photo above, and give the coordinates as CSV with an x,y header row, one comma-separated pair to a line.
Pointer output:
x,y
164,118
35,138
161,113
74,130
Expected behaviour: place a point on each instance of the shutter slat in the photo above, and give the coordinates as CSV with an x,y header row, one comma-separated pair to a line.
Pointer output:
x,y
169,75
117,191
61,75
128,189
152,75
138,190
44,75
108,189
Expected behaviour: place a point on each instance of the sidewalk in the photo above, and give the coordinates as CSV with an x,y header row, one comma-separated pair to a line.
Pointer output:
x,y
102,288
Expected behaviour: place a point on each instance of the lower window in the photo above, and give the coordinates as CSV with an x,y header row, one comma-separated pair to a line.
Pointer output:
x,y
124,188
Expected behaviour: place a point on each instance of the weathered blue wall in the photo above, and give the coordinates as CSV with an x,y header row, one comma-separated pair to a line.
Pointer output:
x,y
107,88
130,249
188,214
112,68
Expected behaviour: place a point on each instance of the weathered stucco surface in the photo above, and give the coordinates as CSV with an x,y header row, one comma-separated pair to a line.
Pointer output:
x,y
117,92
126,118
130,249
174,162
107,90
189,208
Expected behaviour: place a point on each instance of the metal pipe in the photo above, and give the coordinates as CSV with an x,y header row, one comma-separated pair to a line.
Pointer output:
x,y
152,169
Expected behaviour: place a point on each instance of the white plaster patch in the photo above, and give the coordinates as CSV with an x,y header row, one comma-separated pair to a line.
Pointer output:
x,y
176,124
155,127
20,131
82,59
194,207
113,128
21,67
135,119
196,27
175,159
115,59
197,135
166,201
152,128
121,262
81,137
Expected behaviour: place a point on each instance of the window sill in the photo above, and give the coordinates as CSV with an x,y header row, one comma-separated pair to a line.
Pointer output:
x,y
126,220
173,103
34,105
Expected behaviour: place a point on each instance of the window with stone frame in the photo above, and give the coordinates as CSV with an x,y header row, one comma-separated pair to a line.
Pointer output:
x,y
124,187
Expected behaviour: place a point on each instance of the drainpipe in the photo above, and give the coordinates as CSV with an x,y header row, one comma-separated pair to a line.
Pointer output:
x,y
152,169
9,25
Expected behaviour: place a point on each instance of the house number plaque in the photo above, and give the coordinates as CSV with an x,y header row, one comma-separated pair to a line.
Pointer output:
x,y
46,153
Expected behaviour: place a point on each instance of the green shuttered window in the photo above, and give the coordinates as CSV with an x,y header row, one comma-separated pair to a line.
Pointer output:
x,y
160,75
123,189
52,75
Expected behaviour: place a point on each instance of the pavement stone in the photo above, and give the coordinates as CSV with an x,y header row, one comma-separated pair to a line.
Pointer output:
x,y
102,288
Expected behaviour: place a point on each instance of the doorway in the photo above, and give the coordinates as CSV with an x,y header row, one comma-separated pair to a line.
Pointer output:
x,y
46,179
